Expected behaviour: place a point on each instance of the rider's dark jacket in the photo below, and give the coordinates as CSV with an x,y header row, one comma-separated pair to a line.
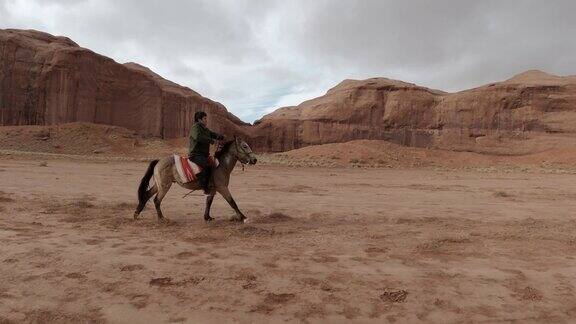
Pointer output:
x,y
200,139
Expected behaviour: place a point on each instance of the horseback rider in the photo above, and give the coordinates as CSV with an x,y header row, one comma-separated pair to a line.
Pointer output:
x,y
199,150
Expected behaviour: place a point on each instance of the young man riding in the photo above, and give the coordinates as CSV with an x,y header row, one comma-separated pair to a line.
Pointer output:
x,y
199,150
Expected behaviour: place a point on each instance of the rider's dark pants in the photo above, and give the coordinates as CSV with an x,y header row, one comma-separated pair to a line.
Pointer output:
x,y
204,175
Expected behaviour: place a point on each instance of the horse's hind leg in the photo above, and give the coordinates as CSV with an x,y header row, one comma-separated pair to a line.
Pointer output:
x,y
151,192
162,191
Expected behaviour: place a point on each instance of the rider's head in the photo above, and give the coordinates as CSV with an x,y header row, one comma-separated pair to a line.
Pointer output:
x,y
200,116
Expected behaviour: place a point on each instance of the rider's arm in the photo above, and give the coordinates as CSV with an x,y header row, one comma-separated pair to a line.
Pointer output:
x,y
199,136
215,135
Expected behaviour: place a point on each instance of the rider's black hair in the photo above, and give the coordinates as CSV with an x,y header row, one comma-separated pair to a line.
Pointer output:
x,y
199,115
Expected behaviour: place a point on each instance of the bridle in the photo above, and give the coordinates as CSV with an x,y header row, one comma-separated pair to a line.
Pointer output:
x,y
243,152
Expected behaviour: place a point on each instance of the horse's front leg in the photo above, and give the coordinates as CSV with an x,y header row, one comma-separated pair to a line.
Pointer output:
x,y
228,196
209,200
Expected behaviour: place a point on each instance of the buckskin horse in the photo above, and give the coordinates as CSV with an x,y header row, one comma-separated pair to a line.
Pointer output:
x,y
165,173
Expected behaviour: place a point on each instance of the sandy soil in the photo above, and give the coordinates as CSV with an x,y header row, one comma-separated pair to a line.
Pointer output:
x,y
85,139
547,152
322,245
103,142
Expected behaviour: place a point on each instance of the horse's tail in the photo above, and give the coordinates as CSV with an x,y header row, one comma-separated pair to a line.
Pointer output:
x,y
143,188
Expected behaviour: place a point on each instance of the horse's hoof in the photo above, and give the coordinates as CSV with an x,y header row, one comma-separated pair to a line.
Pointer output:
x,y
136,216
239,220
163,220
208,219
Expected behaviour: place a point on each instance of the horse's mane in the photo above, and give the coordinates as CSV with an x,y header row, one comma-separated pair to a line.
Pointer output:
x,y
225,148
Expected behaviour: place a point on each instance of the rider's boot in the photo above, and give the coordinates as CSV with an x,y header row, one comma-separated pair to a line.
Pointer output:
x,y
204,180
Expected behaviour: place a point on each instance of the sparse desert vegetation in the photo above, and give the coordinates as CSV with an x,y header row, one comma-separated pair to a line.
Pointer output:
x,y
414,244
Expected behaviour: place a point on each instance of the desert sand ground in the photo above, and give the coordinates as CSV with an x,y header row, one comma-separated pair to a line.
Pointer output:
x,y
322,245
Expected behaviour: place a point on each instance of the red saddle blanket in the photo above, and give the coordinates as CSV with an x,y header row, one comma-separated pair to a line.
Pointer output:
x,y
187,170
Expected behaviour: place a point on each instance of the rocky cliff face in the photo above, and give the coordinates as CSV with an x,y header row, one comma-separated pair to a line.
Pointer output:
x,y
376,108
529,103
47,80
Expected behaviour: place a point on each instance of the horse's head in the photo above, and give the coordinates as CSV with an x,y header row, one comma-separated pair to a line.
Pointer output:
x,y
243,151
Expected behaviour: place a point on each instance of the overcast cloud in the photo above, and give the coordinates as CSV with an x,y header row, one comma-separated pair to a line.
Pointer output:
x,y
255,56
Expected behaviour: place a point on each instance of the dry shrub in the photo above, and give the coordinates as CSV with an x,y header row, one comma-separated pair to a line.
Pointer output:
x,y
246,275
81,203
273,298
5,198
54,316
168,281
418,220
255,231
299,189
164,281
75,207
503,194
272,301
123,205
531,294
4,320
394,296
276,217
436,245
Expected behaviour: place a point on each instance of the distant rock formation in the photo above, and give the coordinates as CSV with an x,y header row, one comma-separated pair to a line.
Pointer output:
x,y
376,108
46,80
410,115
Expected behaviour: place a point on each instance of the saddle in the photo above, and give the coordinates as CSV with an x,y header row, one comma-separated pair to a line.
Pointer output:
x,y
187,170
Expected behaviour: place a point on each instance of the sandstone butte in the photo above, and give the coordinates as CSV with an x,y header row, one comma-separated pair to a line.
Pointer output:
x,y
528,105
47,80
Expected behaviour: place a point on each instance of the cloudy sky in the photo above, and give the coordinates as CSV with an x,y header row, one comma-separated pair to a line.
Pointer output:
x,y
257,55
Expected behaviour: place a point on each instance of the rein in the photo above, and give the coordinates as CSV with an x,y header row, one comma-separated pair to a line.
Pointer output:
x,y
244,152
219,147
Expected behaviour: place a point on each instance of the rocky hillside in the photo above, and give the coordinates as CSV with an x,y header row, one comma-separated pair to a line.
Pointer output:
x,y
376,108
530,104
47,80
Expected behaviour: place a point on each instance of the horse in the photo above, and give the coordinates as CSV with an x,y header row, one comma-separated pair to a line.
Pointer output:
x,y
165,173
